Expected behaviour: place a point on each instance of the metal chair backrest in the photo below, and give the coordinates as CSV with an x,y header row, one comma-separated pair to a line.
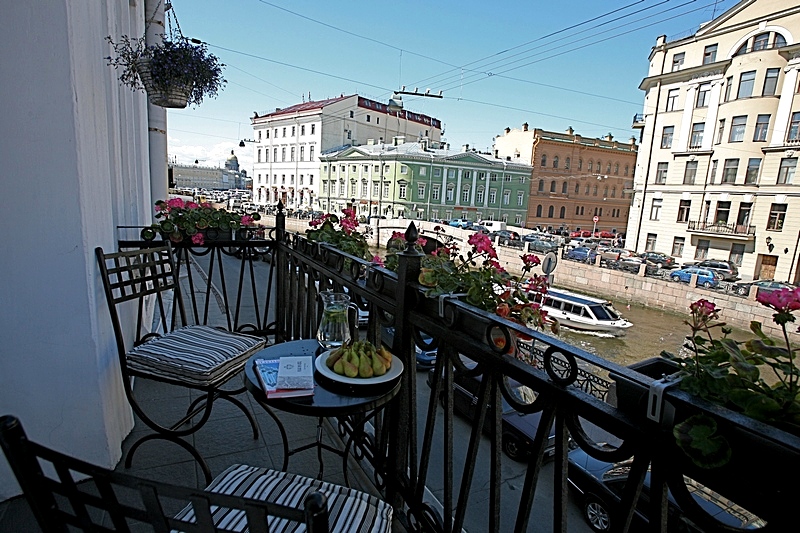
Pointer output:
x,y
75,494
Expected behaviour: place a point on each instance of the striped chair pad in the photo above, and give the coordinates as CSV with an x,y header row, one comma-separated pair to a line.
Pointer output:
x,y
350,510
197,355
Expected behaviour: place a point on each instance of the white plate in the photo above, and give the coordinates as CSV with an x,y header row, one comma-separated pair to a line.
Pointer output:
x,y
395,370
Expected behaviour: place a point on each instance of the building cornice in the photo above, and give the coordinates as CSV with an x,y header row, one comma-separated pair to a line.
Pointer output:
x,y
685,75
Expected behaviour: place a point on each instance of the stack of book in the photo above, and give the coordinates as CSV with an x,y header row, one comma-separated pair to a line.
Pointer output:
x,y
286,377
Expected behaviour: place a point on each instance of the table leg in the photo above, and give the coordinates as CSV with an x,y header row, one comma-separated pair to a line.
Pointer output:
x,y
284,437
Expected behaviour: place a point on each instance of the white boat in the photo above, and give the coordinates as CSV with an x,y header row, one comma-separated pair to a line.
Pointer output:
x,y
581,312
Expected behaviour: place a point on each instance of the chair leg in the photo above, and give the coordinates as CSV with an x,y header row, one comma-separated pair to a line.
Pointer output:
x,y
245,410
229,396
180,442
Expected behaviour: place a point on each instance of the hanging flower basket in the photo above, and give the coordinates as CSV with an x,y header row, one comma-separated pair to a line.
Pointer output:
x,y
176,96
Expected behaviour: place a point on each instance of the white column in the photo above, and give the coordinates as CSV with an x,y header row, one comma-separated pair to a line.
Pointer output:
x,y
156,115
713,111
474,186
686,120
785,104
458,189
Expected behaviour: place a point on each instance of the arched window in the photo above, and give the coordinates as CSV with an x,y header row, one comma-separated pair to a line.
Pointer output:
x,y
566,163
541,185
577,210
564,188
594,190
580,164
550,211
539,211
626,170
608,167
613,192
563,212
544,161
616,169
552,186
605,192
780,40
591,165
577,188
555,162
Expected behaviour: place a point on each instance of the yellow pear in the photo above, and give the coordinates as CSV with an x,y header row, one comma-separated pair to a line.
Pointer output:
x,y
365,368
378,367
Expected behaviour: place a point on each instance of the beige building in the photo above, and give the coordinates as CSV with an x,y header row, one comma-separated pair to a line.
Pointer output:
x,y
719,134
574,178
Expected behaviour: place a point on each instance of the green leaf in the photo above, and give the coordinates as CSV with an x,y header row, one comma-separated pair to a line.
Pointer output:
x,y
697,436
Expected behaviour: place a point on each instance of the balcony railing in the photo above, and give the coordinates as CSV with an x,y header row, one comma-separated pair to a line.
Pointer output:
x,y
414,452
638,120
721,228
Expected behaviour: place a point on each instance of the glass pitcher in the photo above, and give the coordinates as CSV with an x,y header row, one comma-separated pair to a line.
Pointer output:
x,y
334,329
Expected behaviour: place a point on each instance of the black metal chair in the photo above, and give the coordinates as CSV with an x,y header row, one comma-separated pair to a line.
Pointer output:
x,y
66,493
166,349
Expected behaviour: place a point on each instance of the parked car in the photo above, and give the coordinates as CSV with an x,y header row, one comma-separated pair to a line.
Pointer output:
x,y
599,486
479,228
541,246
632,264
518,429
662,260
507,238
582,253
615,254
460,223
762,285
426,358
726,268
706,277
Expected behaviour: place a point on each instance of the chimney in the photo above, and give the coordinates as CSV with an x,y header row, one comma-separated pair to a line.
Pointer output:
x,y
398,140
508,130
570,131
632,140
423,143
609,137
465,148
525,126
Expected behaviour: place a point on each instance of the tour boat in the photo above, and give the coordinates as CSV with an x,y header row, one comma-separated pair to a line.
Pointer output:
x,y
577,311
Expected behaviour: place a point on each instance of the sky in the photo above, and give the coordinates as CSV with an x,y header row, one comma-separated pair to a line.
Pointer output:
x,y
550,64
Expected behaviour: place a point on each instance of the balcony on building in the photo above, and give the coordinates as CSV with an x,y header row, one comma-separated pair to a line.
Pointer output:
x,y
722,229
638,121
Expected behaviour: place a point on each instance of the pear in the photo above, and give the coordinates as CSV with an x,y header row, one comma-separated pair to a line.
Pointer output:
x,y
338,366
335,356
386,354
365,368
350,370
378,366
386,363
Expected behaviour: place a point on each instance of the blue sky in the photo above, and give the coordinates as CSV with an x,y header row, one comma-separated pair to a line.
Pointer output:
x,y
550,64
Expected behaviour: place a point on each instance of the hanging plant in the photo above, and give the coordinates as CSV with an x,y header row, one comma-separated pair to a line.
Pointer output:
x,y
174,73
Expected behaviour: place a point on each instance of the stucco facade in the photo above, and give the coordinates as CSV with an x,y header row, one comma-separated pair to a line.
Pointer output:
x,y
719,134
574,178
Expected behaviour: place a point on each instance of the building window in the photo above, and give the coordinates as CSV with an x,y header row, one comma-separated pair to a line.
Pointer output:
x,y
728,85
762,125
613,192
437,172
729,171
794,128
723,212
520,198
666,136
655,209
683,210
435,192
479,196
626,171
449,195
401,190
376,190
420,191
677,246
696,140
294,129
594,190
555,162
650,244
368,118
351,114
577,188
690,173
720,130
710,54
566,163
364,189
506,197
385,190
422,171
259,154
562,213
492,196
552,186
302,153
703,93
777,215
403,169
543,162
564,188
737,129
283,154
753,165
550,212
275,155
672,101
761,42
786,170
701,252
770,82
302,129
292,154
541,186
580,164
737,254
677,61
743,218
465,196
746,82
313,127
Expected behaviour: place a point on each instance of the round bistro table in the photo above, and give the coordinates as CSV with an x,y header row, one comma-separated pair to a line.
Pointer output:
x,y
330,399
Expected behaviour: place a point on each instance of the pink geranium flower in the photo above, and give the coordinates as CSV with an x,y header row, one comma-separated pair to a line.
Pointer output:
x,y
247,220
198,239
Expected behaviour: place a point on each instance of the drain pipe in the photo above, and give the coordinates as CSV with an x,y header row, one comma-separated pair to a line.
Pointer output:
x,y
156,115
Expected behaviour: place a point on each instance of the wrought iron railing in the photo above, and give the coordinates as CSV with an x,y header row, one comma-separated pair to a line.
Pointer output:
x,y
721,228
415,441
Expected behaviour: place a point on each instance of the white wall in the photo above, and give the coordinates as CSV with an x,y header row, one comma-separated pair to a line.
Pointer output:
x,y
75,159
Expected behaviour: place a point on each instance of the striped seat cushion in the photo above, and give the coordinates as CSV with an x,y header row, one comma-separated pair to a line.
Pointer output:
x,y
349,510
197,355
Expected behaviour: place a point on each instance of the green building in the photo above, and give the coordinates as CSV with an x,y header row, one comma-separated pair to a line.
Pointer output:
x,y
423,182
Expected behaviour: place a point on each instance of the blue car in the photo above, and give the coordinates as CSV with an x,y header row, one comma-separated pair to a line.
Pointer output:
x,y
583,254
426,357
705,277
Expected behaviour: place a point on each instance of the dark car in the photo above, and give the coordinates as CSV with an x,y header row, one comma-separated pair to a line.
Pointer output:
x,y
582,253
762,285
599,487
726,268
519,429
541,246
425,356
507,238
659,259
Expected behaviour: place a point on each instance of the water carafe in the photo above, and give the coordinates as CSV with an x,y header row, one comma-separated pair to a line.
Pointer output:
x,y
334,329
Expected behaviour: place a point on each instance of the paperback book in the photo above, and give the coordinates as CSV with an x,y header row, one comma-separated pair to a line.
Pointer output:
x,y
287,384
